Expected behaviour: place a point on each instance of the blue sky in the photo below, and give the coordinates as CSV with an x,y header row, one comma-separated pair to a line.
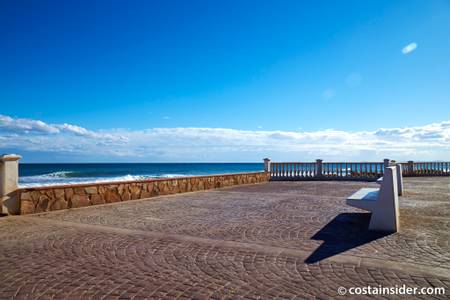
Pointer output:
x,y
295,68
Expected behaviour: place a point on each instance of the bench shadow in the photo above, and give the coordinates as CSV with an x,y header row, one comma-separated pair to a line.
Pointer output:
x,y
346,231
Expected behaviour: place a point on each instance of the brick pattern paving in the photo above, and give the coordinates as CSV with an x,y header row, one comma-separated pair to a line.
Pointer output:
x,y
282,240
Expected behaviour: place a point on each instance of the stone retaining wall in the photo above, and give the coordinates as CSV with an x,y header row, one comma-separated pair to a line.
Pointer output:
x,y
41,199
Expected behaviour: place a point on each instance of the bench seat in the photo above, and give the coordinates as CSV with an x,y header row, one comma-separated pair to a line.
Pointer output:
x,y
364,198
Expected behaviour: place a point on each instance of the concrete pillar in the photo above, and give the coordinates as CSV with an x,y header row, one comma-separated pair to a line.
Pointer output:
x,y
319,167
9,183
266,164
399,179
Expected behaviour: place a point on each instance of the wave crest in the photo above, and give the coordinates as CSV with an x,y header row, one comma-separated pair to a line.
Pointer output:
x,y
67,177
60,174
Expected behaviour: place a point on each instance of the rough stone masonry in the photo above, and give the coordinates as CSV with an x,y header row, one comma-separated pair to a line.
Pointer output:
x,y
42,199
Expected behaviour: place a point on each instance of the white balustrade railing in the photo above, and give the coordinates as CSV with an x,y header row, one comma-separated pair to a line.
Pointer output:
x,y
293,170
411,168
363,170
349,170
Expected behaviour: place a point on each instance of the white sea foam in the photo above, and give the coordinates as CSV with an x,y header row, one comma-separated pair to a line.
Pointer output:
x,y
172,175
60,178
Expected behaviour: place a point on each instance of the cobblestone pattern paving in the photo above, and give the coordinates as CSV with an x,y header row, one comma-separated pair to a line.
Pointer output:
x,y
105,251
288,214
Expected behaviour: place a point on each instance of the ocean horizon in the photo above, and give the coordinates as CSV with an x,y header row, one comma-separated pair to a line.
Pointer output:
x,y
41,174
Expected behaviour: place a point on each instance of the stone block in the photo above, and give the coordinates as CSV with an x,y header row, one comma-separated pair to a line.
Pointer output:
x,y
126,195
26,207
57,205
112,195
69,193
80,200
91,190
135,192
59,194
121,188
79,191
44,201
26,196
150,186
97,199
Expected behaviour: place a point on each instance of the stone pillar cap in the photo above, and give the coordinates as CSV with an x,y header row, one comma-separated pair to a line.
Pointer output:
x,y
266,158
10,157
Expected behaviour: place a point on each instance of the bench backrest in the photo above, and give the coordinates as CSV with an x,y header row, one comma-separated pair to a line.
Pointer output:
x,y
388,202
399,179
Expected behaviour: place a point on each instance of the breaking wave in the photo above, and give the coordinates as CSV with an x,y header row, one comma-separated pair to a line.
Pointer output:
x,y
69,177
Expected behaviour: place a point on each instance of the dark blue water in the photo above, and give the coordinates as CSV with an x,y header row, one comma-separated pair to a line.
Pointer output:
x,y
49,174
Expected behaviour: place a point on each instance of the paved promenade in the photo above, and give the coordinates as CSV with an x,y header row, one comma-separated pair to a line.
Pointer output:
x,y
280,240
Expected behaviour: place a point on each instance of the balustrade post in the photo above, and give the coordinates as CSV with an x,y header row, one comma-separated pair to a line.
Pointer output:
x,y
319,168
386,162
266,164
410,167
9,178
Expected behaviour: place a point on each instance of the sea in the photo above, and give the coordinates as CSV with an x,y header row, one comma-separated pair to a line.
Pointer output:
x,y
55,174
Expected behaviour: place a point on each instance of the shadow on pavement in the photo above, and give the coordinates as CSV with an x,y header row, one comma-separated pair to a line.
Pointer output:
x,y
346,231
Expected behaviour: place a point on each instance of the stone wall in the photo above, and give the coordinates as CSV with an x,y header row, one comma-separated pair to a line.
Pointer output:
x,y
41,199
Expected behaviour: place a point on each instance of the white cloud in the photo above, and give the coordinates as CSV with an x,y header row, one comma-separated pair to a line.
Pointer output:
x,y
25,125
427,142
409,48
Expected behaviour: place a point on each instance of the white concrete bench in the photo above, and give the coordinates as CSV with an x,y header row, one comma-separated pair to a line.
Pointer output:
x,y
382,202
